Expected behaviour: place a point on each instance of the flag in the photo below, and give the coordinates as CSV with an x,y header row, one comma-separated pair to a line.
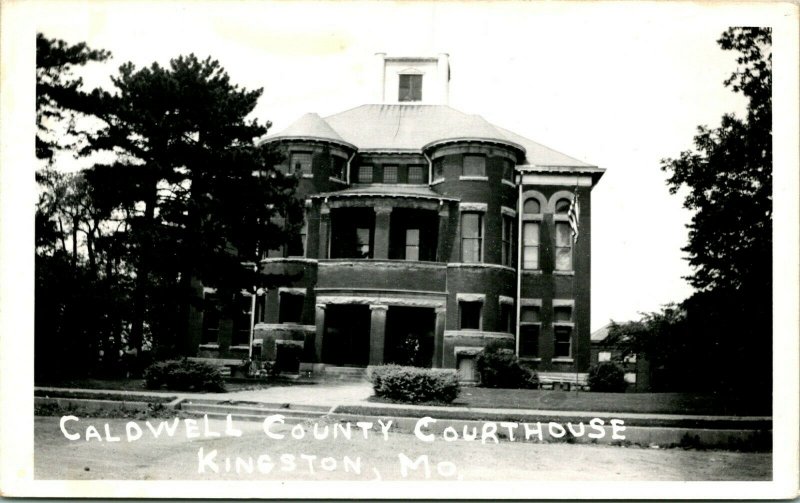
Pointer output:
x,y
573,214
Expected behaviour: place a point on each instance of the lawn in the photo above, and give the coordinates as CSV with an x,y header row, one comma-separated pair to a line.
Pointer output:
x,y
656,403
135,384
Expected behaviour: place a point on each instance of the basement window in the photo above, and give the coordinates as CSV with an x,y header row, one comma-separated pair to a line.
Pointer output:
x,y
470,315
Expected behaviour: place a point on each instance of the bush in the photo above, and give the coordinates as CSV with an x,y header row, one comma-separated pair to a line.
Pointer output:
x,y
606,376
414,384
183,375
499,367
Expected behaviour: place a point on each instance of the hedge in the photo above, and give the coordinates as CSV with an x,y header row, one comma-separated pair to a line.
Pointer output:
x,y
606,376
414,384
499,367
183,375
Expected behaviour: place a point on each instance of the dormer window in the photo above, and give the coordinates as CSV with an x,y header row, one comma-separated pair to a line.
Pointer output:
x,y
410,87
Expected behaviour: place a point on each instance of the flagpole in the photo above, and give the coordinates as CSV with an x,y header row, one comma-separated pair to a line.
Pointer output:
x,y
575,211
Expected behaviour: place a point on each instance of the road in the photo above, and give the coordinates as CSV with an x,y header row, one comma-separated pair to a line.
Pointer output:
x,y
393,456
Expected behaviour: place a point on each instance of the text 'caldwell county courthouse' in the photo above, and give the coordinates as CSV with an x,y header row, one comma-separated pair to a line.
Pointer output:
x,y
428,232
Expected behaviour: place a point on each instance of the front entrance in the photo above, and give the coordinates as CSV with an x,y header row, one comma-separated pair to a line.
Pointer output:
x,y
409,336
346,339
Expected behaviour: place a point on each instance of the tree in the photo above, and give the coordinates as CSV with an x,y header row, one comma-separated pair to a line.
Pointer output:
x,y
200,196
59,93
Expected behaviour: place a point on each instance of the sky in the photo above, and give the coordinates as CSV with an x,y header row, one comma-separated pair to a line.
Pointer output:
x,y
618,85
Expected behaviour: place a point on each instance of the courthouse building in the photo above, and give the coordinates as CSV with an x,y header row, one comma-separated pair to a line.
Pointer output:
x,y
428,234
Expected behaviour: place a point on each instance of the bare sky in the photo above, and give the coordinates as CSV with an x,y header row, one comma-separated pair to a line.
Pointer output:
x,y
619,85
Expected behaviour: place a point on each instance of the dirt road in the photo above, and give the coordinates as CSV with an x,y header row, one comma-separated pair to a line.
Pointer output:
x,y
395,456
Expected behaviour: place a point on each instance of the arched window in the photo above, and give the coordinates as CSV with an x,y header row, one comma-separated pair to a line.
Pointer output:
x,y
532,206
562,206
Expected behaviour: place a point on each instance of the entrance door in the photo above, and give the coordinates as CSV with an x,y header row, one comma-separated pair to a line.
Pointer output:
x,y
409,336
346,339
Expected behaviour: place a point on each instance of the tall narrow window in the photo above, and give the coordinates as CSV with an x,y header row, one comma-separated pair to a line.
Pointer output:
x,y
297,245
390,174
241,321
508,170
474,165
410,88
337,167
563,342
301,163
507,317
416,174
438,168
530,245
472,237
563,246
210,320
530,328
362,243
412,244
365,174
508,226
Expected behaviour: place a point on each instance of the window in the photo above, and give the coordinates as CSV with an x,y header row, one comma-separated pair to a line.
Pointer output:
x,y
562,314
563,341
337,167
507,317
531,207
529,330
469,314
508,170
365,174
530,245
210,320
241,321
412,244
563,246
390,174
416,174
290,307
410,88
301,163
562,206
297,245
438,168
471,237
604,356
508,226
474,165
362,243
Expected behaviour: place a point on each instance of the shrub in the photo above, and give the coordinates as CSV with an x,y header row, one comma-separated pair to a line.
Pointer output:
x,y
606,376
499,367
414,384
183,375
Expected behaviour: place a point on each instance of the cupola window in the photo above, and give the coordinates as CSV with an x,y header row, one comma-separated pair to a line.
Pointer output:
x,y
410,88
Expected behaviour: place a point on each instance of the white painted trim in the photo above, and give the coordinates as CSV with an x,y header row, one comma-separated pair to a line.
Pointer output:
x,y
563,302
449,334
209,345
292,290
289,259
334,179
563,359
307,175
530,302
564,273
505,210
533,272
285,326
380,299
473,207
208,290
467,178
479,265
437,181
509,183
567,180
288,342
370,263
557,196
505,299
471,297
467,350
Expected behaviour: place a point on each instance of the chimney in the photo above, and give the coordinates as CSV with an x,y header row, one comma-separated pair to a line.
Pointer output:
x,y
443,74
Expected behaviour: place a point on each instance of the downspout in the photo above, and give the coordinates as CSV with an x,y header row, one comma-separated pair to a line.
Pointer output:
x,y
430,168
347,170
519,258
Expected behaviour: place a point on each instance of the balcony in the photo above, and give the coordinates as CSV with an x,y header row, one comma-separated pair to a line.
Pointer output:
x,y
394,275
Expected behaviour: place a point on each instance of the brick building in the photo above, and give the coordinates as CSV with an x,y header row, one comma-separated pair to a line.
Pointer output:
x,y
410,249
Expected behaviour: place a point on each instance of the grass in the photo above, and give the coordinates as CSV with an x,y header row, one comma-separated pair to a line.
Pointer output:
x,y
135,384
648,403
